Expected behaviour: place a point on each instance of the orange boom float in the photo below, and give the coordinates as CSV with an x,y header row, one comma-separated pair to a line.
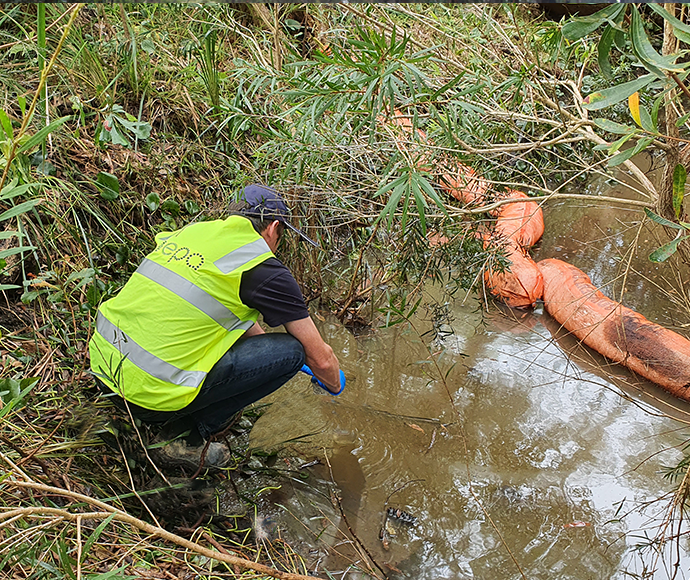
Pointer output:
x,y
521,284
522,221
619,333
518,226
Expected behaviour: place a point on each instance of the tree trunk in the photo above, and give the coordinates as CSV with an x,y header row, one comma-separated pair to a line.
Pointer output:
x,y
676,154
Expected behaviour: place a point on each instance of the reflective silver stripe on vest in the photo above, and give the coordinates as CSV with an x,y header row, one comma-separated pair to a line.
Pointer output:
x,y
241,256
191,293
143,359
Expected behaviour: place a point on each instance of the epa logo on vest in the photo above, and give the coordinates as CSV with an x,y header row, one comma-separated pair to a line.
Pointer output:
x,y
194,260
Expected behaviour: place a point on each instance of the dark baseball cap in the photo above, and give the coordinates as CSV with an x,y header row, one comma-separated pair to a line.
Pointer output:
x,y
266,203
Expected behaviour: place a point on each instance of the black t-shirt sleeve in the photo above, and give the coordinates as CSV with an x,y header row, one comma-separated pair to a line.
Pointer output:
x,y
271,289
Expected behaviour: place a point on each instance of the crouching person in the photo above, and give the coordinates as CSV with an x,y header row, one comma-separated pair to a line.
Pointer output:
x,y
180,345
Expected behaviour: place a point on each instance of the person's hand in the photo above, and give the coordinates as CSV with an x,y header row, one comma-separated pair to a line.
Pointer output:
x,y
314,380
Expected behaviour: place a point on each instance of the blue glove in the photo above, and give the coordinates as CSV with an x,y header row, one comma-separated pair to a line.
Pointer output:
x,y
307,370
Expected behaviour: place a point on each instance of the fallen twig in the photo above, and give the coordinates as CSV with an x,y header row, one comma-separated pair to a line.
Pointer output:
x,y
124,517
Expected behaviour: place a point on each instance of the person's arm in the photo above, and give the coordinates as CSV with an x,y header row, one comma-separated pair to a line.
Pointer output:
x,y
319,356
254,331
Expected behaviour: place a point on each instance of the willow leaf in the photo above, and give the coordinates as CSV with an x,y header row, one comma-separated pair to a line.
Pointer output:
x,y
662,221
642,144
19,209
582,26
618,144
680,29
613,95
644,50
634,105
604,51
666,251
613,127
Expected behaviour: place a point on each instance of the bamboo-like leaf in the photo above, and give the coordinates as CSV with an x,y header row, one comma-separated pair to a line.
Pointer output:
x,y
431,192
445,88
613,95
38,137
644,50
662,221
582,26
604,50
13,190
613,127
397,186
634,105
86,550
19,209
679,178
6,124
666,251
682,120
17,250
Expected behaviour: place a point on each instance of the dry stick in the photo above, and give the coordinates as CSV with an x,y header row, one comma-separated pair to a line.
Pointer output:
x,y
677,499
141,442
131,481
356,270
140,524
403,486
201,460
79,547
39,89
681,85
211,540
41,463
631,253
14,467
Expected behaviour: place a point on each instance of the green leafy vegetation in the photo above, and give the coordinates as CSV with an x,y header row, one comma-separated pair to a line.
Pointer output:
x,y
121,121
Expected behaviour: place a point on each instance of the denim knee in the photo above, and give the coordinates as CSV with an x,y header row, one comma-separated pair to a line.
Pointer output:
x,y
290,347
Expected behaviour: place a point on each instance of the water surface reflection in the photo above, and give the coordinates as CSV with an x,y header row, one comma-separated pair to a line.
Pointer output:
x,y
526,455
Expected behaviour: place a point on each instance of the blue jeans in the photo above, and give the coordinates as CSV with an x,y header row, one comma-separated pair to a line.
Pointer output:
x,y
253,368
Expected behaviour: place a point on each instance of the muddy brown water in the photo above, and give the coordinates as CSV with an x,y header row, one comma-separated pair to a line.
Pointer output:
x,y
526,461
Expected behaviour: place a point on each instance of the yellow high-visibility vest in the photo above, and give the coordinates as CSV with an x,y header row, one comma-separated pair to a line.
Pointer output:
x,y
179,313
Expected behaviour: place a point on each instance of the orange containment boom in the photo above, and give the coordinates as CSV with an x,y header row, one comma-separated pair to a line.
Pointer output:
x,y
619,333
521,284
518,226
521,221
464,184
